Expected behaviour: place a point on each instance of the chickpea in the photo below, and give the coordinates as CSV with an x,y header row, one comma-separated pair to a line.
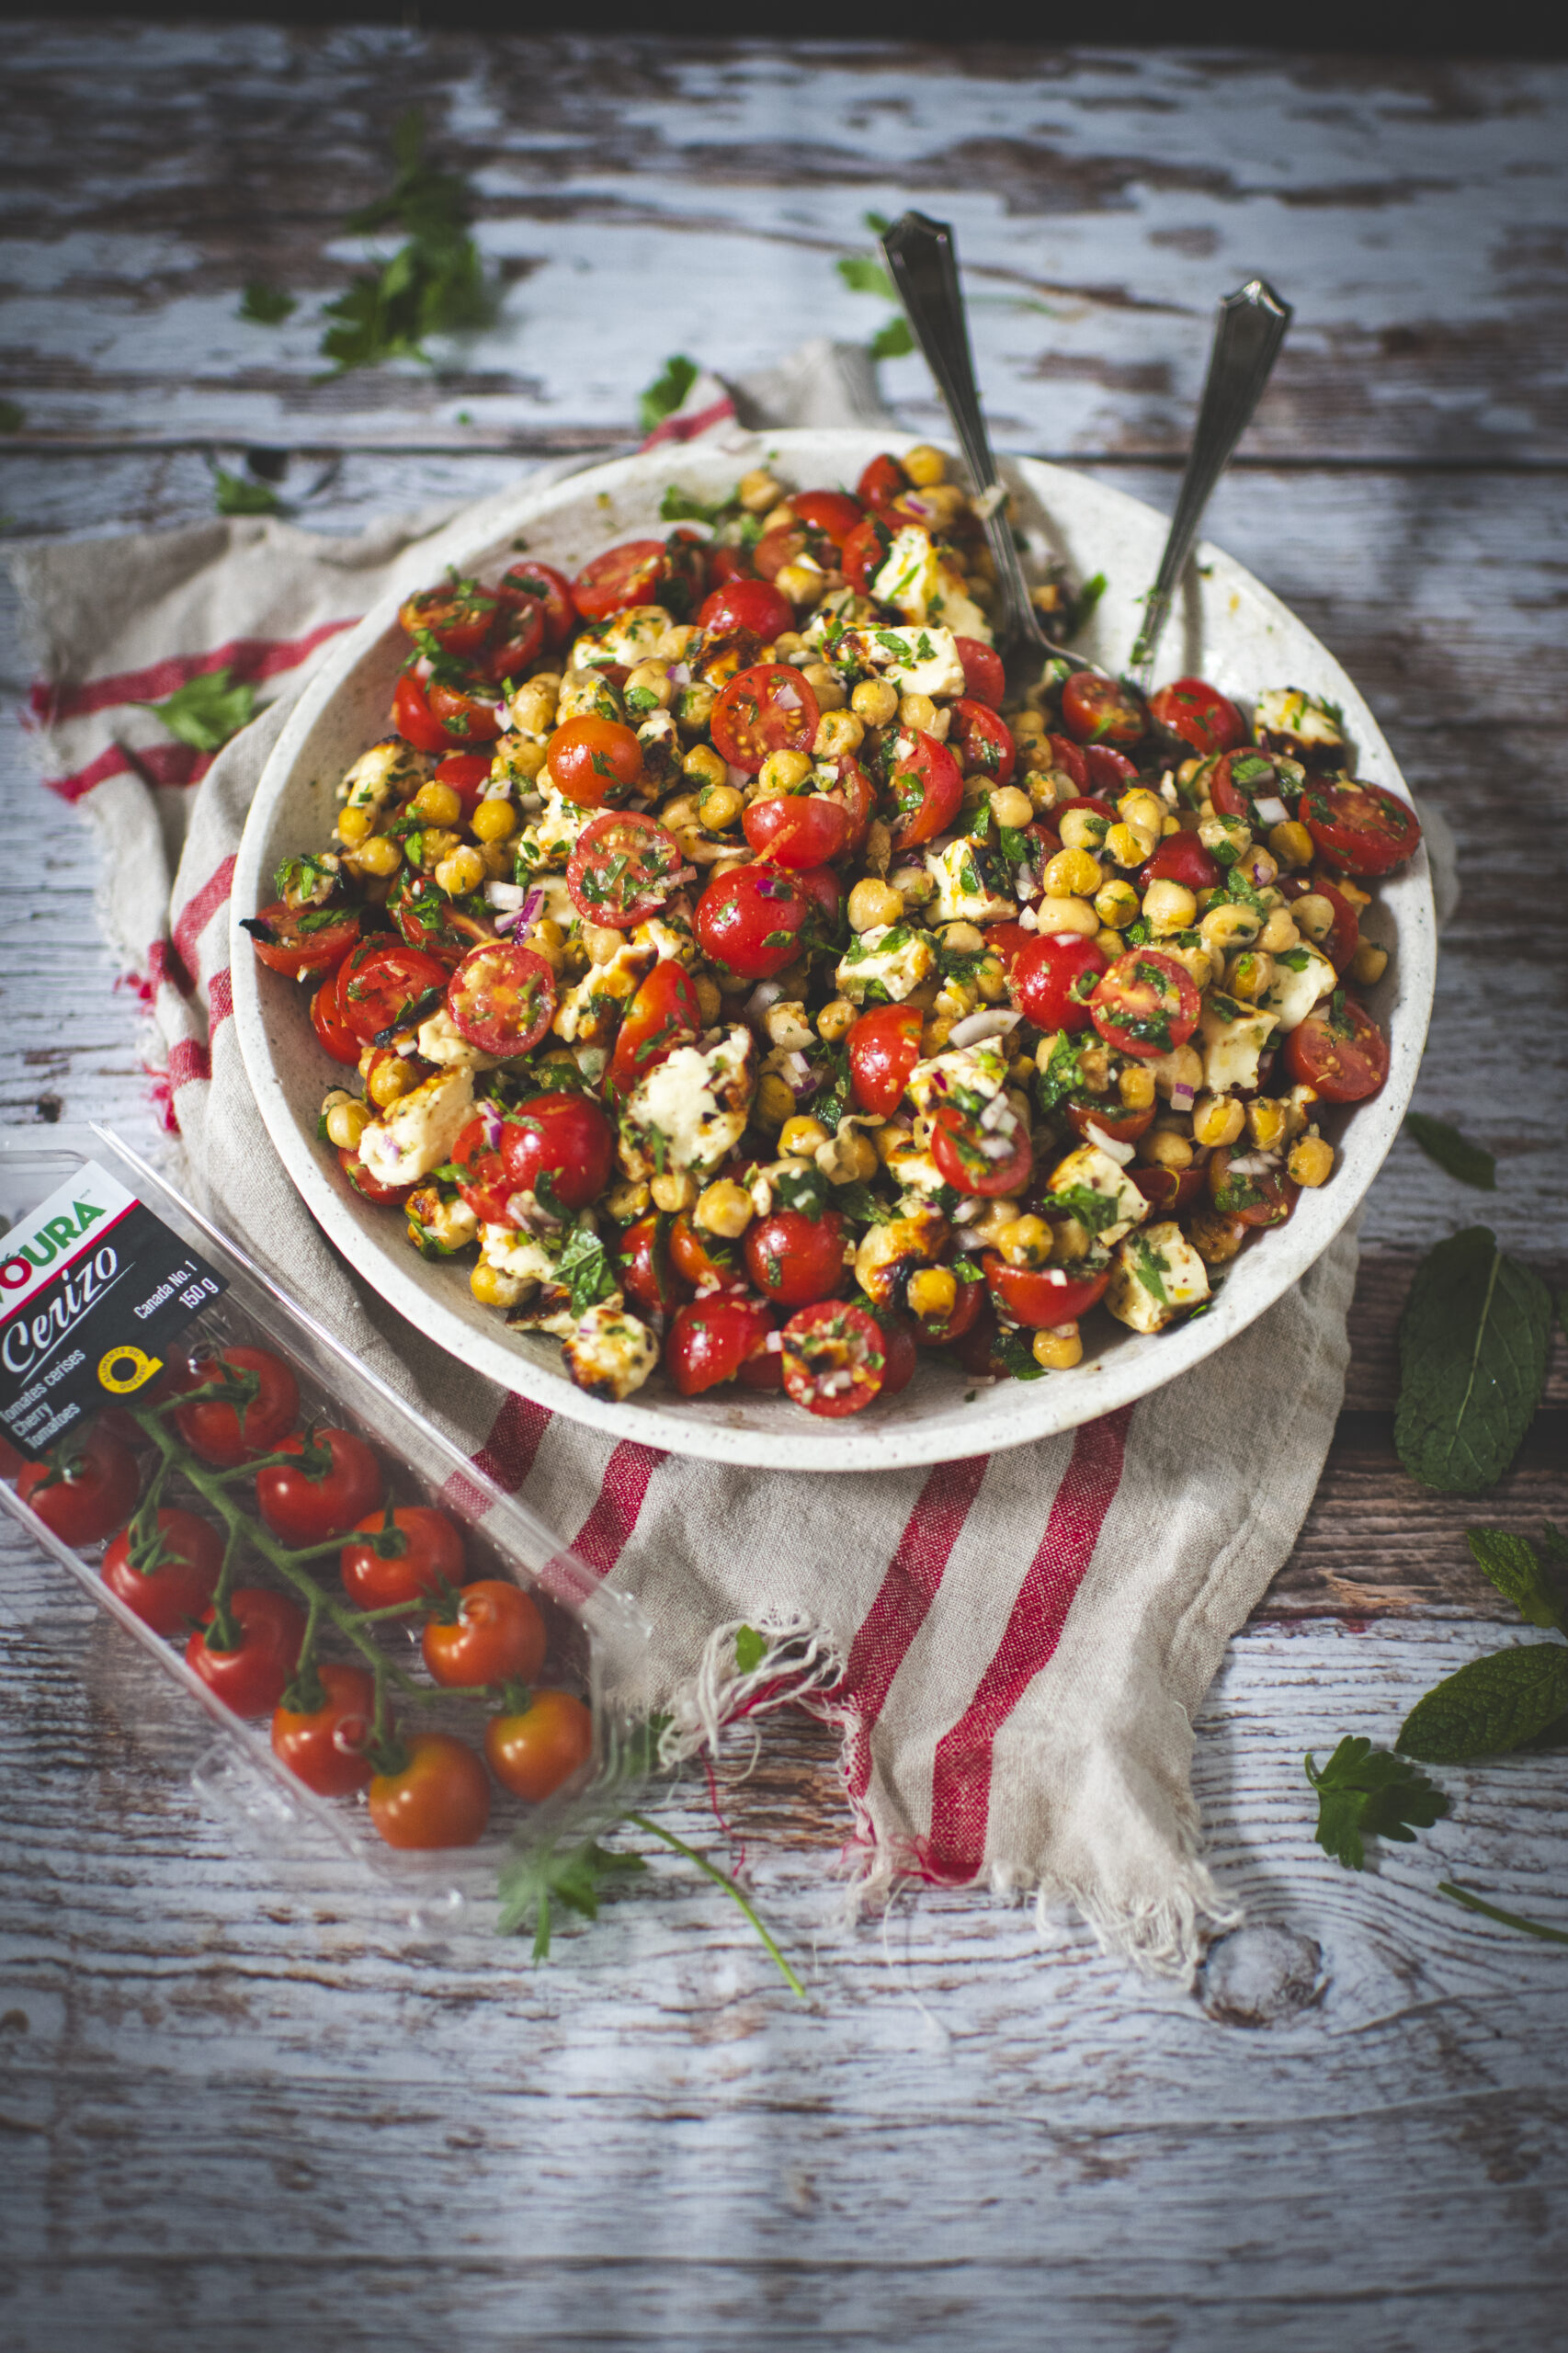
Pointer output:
x,y
1169,906
1082,829
1219,834
353,825
1066,915
695,708
392,1077
925,466
914,885
520,762
1290,843
1266,1119
427,849
836,1020
709,1001
838,732
1010,807
492,1287
933,1293
1249,976
1117,904
1279,932
494,821
1214,1236
800,1136
379,856
847,1158
1058,1351
649,678
936,1032
804,583
758,491
438,804
1228,926
829,689
1217,1121
675,1190
1136,1086
546,939
1164,1148
1070,1240
346,1122
992,1221
1026,1243
461,872
1073,873
1370,963
1143,809
872,905
783,772
875,702
775,1103
1351,893
1129,845
990,979
535,704
1312,1161
723,1208
918,711
703,765
718,805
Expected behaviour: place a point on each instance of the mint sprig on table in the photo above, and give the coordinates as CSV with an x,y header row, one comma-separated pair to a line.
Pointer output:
x,y
1472,1349
1452,1152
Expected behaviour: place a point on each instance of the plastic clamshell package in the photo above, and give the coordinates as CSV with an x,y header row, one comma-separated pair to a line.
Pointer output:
x,y
595,1634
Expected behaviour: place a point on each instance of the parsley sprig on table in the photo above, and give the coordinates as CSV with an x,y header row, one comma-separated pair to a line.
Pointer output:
x,y
434,283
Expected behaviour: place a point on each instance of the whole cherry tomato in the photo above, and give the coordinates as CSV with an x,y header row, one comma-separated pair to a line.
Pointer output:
x,y
484,1183
1181,858
565,1137
768,707
549,588
984,738
834,1358
253,1676
468,773
502,997
517,640
710,1338
1339,1050
85,1489
1145,1003
412,716
495,1636
1200,715
282,942
181,1576
748,921
533,1750
797,830
1102,710
864,553
987,1161
1359,828
1042,1297
468,714
646,1264
457,615
832,512
794,1258
332,1032
302,1507
324,1744
225,1433
664,1014
629,575
883,481
755,604
437,1795
883,1048
926,789
984,680
590,758
375,1576
1258,1198
1053,977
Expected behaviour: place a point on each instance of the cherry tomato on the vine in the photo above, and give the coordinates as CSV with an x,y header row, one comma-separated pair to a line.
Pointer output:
x,y
86,1490
371,1187
305,1507
703,1261
226,1430
432,1556
495,1635
324,1746
1259,1199
1181,858
253,1676
533,1750
437,1795
177,1586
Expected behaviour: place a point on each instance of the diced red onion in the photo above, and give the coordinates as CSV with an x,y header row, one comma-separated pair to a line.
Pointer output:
x,y
994,1021
1272,812
996,1147
787,698
800,1077
766,993
1027,919
492,1119
678,673
1182,1095
1121,1153
997,1112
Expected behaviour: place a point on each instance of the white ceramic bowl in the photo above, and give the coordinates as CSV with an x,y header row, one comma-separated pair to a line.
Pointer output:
x,y
1226,628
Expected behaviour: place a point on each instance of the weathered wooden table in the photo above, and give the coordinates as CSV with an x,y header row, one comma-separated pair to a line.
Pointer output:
x,y
235,2112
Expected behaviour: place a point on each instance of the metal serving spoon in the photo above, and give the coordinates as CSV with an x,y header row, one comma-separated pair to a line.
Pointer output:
x,y
923,263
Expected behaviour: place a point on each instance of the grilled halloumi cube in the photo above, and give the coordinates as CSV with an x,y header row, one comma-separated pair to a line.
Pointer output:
x,y
610,1352
390,770
1233,1037
1099,1173
1154,1275
979,1070
443,1043
690,1111
416,1134
918,659
624,639
1302,977
893,957
590,1012
972,881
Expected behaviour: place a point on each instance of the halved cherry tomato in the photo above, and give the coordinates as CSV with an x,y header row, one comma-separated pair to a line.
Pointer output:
x,y
1102,710
1069,758
590,758
468,714
252,1678
629,575
226,1433
622,869
768,707
295,942
710,1338
797,830
1200,715
864,553
1111,1118
984,680
517,640
431,1557
1257,1196
484,1184
832,512
985,739
332,1032
1359,828
645,1257
883,1047
85,1489
927,787
1053,976
324,1746
372,1188
1145,1005
834,1358
822,887
1042,1297
382,980
859,795
1243,778
412,716
1342,941
457,615
428,920
179,1584
1181,858
703,1261
305,1507
986,1161
1009,940
1339,1050
902,1358
533,1750
785,545
764,1372
495,1635
502,997
565,1137
664,1014
468,773
755,604
883,481
439,1795
794,1258
726,563
748,921
1111,772
1171,1191
549,589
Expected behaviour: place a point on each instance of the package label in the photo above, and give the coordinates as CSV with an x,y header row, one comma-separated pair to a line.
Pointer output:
x,y
92,1288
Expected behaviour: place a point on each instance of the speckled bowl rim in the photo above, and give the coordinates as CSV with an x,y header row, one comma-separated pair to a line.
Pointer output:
x,y
1227,626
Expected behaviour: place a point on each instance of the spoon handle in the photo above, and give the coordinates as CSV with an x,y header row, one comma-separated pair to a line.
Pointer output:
x,y
923,264
1247,336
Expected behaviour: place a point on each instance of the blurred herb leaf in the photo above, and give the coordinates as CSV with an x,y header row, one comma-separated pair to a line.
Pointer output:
x,y
1473,1347
862,275
893,340
240,494
1453,1152
207,710
267,305
435,282
1492,1705
1510,1562
13,416
666,391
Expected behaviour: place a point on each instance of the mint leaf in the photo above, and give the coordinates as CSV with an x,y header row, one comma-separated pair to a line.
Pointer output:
x,y
1089,596
1364,1793
864,276
1473,1347
1489,1707
678,507
1510,1562
1453,1152
240,494
267,305
751,1649
208,710
893,340
584,1268
666,391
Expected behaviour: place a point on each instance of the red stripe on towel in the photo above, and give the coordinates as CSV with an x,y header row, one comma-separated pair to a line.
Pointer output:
x,y
252,658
